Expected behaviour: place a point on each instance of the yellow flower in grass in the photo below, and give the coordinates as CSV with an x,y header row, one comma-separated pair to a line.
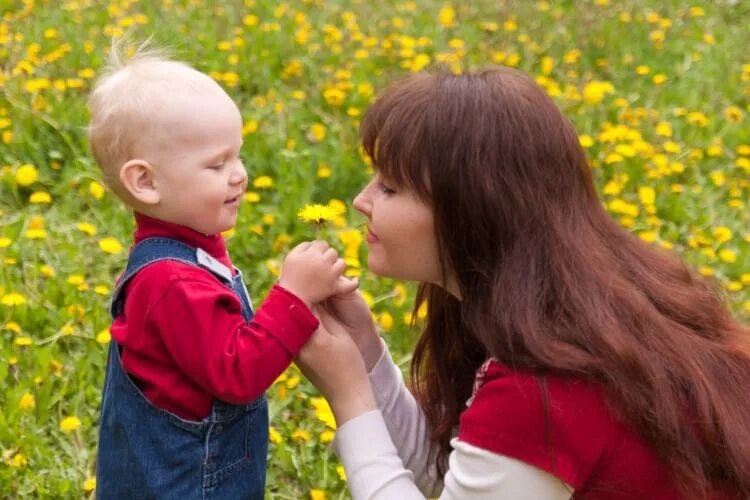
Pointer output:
x,y
87,228
17,460
13,299
263,182
317,132
110,245
274,436
70,424
96,190
26,175
12,326
103,337
27,402
5,242
727,255
89,484
316,494
301,435
323,412
40,197
327,436
317,213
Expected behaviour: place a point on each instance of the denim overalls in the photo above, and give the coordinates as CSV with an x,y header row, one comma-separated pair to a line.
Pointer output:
x,y
145,452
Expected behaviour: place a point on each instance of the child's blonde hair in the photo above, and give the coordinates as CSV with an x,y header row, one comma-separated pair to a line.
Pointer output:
x,y
125,102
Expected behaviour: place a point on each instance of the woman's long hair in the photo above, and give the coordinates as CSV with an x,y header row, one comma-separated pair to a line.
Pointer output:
x,y
549,282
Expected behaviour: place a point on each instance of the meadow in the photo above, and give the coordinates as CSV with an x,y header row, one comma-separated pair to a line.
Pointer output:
x,y
659,92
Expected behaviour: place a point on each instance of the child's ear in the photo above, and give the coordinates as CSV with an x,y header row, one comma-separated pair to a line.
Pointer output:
x,y
137,177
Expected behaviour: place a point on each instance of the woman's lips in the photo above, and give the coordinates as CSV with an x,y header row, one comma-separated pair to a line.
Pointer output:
x,y
371,238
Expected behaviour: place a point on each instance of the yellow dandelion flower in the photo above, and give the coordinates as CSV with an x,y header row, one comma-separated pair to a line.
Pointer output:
x,y
385,320
27,402
89,484
23,341
35,234
317,213
96,190
323,412
250,127
697,118
12,326
316,494
728,256
447,16
595,91
324,171
103,337
263,182
733,114
13,299
647,195
26,175
76,279
274,436
70,424
5,242
327,436
16,461
334,96
40,197
110,245
47,271
317,132
87,228
301,435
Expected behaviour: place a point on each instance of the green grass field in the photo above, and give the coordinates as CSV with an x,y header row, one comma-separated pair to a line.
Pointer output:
x,y
659,92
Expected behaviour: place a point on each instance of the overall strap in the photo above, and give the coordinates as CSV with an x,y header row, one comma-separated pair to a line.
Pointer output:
x,y
156,249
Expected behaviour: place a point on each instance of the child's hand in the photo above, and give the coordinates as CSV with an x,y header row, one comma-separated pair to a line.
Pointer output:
x,y
313,272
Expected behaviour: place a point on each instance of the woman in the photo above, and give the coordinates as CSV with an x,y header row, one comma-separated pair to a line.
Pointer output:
x,y
561,357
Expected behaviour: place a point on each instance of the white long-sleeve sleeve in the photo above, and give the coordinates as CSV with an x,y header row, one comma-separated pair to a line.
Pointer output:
x,y
405,421
377,469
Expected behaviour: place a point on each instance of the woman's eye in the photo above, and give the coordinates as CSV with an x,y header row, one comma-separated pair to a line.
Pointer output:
x,y
385,189
218,166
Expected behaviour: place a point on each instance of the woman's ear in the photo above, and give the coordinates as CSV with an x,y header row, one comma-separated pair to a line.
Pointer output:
x,y
137,177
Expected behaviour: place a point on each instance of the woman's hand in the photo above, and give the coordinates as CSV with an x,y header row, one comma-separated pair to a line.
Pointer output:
x,y
331,361
350,311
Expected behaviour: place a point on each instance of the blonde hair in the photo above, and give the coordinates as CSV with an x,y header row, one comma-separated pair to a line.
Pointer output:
x,y
126,99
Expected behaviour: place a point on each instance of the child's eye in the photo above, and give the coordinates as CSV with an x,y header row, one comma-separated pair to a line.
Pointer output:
x,y
218,166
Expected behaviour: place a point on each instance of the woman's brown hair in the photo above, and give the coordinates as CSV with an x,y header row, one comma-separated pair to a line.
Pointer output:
x,y
550,283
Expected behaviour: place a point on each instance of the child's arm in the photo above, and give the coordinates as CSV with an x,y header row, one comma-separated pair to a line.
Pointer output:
x,y
201,323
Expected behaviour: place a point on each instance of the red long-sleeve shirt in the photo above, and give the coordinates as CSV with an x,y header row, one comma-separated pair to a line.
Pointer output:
x,y
184,340
571,432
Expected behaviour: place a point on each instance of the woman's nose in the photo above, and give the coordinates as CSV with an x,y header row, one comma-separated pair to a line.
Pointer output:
x,y
362,202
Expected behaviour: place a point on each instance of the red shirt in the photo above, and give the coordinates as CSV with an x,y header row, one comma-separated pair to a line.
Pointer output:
x,y
580,441
184,340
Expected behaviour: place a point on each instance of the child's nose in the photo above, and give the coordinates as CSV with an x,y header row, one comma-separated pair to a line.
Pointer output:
x,y
239,174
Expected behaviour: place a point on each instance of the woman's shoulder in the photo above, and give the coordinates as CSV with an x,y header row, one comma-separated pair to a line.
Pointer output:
x,y
560,424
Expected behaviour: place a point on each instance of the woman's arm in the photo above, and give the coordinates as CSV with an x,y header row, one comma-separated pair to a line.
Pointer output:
x,y
332,362
406,423
375,472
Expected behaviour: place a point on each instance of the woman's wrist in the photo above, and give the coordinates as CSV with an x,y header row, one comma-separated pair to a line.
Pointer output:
x,y
355,401
372,351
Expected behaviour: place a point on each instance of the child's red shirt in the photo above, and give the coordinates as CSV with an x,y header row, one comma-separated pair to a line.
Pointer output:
x,y
184,340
